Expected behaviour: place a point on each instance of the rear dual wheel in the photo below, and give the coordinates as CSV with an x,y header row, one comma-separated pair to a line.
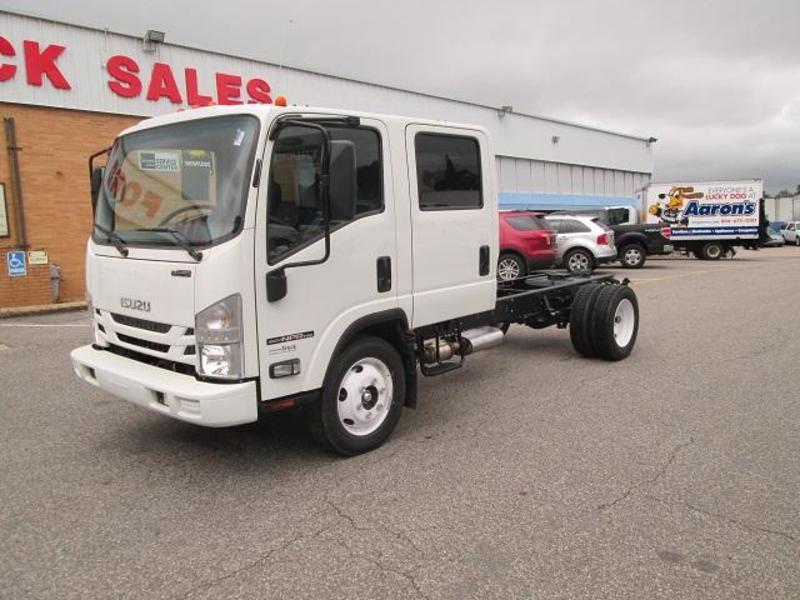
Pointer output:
x,y
604,321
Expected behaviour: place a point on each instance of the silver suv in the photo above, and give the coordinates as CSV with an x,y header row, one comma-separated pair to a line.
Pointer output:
x,y
581,242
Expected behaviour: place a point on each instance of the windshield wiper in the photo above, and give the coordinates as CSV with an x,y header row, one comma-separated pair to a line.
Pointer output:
x,y
113,237
181,239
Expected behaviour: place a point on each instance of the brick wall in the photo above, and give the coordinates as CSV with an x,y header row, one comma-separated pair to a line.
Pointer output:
x,y
56,145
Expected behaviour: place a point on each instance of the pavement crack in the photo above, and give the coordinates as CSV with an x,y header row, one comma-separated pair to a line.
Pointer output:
x,y
673,455
343,515
722,517
259,560
399,535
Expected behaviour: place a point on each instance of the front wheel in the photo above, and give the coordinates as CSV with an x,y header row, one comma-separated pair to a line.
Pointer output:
x,y
362,398
579,260
632,256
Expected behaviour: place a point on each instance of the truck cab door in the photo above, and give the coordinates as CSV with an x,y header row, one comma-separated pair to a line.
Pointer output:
x,y
454,222
297,334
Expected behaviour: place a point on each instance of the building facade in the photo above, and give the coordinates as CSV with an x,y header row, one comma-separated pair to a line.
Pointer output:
x,y
785,208
67,90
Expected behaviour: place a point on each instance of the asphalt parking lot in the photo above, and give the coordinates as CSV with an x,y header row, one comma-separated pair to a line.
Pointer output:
x,y
531,473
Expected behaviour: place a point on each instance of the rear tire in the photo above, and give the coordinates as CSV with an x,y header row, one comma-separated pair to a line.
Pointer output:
x,y
580,320
362,398
615,322
510,267
579,260
632,256
712,251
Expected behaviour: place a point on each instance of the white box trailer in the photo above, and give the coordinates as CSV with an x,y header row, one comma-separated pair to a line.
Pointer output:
x,y
707,218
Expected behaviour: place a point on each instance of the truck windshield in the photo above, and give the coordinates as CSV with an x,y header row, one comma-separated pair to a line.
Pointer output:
x,y
191,178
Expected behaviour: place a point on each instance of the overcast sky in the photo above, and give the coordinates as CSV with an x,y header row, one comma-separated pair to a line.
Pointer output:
x,y
717,81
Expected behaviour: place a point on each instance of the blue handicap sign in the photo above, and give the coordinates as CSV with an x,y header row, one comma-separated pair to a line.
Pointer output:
x,y
16,264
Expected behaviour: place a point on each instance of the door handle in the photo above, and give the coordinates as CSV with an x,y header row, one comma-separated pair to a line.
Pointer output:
x,y
483,261
384,272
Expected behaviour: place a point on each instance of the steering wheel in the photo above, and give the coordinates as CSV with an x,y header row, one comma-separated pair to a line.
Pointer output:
x,y
171,216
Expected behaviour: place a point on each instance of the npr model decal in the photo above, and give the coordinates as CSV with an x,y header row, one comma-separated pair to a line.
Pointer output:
x,y
292,337
285,343
725,210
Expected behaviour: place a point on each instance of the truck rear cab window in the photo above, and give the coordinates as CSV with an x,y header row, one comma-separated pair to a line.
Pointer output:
x,y
448,172
568,226
526,223
295,215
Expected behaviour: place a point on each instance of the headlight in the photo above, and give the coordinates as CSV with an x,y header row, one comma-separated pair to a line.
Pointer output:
x,y
218,331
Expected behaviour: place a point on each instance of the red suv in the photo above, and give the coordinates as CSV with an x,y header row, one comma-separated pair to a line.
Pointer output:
x,y
526,244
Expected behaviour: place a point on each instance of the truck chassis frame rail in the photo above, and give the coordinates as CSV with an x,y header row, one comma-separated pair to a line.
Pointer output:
x,y
601,311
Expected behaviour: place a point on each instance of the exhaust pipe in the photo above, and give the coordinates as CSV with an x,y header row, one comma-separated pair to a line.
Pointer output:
x,y
471,341
481,338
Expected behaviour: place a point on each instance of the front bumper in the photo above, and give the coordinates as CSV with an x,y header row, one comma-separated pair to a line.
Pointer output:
x,y
172,394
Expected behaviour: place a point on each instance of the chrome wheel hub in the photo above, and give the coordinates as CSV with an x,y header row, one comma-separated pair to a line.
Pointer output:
x,y
365,396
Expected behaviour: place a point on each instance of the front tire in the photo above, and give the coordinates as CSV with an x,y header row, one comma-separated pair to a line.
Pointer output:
x,y
632,256
362,398
510,267
615,322
579,260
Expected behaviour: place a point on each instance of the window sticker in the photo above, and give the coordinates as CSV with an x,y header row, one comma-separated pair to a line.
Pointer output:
x,y
159,161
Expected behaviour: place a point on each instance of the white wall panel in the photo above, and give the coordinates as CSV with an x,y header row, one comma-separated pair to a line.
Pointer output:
x,y
87,50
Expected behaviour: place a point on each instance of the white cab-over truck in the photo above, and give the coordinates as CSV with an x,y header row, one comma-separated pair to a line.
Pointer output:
x,y
251,259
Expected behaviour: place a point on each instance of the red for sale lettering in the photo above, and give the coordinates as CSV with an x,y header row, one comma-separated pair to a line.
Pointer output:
x,y
42,63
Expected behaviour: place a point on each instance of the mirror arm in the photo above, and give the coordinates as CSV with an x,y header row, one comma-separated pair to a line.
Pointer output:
x,y
276,279
94,156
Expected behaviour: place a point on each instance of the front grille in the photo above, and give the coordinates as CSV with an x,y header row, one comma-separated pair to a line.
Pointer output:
x,y
162,363
164,348
141,323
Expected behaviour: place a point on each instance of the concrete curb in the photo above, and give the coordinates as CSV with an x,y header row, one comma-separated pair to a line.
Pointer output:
x,y
21,311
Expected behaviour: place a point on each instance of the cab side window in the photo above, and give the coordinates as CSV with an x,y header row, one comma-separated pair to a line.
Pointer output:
x,y
448,172
295,209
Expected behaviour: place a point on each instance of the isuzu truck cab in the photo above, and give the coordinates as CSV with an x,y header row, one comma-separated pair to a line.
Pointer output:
x,y
250,259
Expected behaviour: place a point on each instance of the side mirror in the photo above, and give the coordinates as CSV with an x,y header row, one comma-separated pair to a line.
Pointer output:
x,y
96,183
276,285
343,183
